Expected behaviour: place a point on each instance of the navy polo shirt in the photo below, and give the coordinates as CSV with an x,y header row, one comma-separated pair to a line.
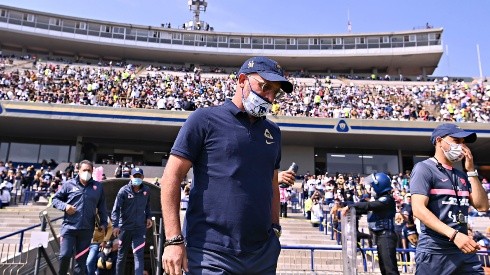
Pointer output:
x,y
428,180
233,163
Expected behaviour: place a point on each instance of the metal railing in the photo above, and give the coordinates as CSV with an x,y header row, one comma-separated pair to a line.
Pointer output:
x,y
22,257
306,259
22,232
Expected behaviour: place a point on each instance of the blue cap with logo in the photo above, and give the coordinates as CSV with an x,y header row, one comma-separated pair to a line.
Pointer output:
x,y
136,170
268,69
452,130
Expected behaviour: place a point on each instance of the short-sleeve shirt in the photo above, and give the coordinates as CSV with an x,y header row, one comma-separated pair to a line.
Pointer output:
x,y
233,162
437,184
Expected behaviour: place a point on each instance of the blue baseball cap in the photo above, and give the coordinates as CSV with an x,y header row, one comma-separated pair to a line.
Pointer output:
x,y
136,170
268,69
452,130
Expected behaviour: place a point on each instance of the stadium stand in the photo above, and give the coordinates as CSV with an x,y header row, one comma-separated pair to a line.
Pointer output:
x,y
118,87
127,83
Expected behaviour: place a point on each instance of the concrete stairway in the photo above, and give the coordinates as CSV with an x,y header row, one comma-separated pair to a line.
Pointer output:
x,y
298,231
14,218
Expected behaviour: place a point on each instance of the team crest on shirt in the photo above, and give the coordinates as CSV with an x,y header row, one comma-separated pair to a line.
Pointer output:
x,y
144,193
95,187
268,137
130,196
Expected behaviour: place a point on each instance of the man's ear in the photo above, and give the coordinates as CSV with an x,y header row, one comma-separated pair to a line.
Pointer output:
x,y
241,80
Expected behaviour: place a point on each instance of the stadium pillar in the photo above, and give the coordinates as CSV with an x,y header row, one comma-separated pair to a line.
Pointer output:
x,y
400,161
424,73
78,151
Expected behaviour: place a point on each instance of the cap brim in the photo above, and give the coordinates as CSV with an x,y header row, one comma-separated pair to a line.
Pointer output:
x,y
137,174
286,86
469,137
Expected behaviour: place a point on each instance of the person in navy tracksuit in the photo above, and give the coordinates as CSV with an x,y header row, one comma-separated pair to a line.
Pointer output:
x,y
79,198
130,218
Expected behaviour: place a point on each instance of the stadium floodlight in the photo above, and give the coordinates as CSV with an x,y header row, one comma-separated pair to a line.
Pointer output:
x,y
199,5
196,6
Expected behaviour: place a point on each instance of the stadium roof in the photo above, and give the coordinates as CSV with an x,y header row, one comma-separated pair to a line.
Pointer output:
x,y
415,52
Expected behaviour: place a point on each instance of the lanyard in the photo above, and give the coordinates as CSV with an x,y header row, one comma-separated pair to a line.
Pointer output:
x,y
453,179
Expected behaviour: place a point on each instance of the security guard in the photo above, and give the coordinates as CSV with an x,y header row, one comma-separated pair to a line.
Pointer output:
x,y
130,219
79,198
381,220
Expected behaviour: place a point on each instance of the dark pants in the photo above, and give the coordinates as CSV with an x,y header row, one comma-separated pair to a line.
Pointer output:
x,y
446,264
386,242
284,210
209,262
136,240
80,240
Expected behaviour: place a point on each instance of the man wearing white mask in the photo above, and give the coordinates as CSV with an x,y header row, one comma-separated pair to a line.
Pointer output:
x,y
441,196
131,217
79,198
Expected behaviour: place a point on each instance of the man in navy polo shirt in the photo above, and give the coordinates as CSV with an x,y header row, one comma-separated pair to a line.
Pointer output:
x,y
441,196
232,220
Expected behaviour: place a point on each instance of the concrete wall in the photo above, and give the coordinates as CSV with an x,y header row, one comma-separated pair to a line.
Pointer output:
x,y
302,155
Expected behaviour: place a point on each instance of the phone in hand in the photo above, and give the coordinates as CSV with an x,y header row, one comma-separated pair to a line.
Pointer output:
x,y
294,167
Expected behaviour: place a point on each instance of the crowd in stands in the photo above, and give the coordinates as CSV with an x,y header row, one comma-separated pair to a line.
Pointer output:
x,y
159,87
42,180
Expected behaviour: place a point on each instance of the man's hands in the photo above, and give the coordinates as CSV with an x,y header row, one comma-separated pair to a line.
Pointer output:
x,y
174,259
465,243
287,177
116,231
344,210
70,209
469,161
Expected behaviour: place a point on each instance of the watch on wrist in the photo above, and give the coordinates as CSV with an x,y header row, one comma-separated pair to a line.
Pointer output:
x,y
472,173
277,229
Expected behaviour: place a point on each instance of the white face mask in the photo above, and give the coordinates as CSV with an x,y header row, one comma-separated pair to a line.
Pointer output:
x,y
255,105
455,152
85,176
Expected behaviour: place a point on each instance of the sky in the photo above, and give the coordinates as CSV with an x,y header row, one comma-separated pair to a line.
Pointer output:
x,y
463,21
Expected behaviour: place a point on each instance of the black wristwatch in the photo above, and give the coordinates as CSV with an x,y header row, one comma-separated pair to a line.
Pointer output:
x,y
277,229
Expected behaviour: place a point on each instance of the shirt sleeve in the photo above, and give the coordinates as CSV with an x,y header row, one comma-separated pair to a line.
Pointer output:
x,y
102,207
420,179
59,199
148,208
191,136
364,207
116,210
